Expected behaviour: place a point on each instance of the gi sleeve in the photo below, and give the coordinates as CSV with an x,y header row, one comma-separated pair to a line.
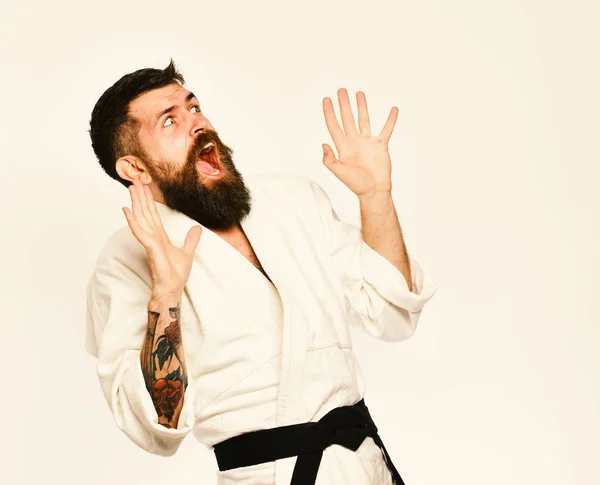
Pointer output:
x,y
117,319
375,290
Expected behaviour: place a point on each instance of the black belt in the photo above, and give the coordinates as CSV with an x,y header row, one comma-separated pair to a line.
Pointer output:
x,y
347,426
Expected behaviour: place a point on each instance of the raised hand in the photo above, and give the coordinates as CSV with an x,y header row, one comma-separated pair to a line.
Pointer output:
x,y
170,266
364,164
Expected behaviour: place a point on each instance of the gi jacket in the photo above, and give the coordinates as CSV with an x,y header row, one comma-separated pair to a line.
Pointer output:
x,y
235,323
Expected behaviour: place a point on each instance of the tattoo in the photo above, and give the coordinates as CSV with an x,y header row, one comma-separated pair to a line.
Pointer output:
x,y
163,365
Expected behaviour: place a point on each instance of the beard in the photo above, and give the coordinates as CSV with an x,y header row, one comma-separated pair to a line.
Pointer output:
x,y
217,204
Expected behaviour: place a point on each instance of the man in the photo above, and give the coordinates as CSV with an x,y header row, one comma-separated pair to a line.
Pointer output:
x,y
224,307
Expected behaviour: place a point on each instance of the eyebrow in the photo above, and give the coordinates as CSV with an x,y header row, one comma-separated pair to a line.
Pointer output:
x,y
188,98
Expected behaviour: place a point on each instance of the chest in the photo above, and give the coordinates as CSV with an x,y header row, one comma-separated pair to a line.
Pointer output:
x,y
240,243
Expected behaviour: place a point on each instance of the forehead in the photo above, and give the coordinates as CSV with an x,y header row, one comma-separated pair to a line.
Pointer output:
x,y
146,106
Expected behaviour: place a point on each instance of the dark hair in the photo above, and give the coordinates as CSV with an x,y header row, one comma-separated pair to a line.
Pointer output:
x,y
113,131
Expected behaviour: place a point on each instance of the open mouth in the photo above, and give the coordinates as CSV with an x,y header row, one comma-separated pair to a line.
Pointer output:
x,y
208,161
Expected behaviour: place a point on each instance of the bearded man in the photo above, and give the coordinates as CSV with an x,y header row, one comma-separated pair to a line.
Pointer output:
x,y
224,306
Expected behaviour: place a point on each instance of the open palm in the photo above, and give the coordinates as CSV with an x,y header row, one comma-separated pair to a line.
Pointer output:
x,y
364,164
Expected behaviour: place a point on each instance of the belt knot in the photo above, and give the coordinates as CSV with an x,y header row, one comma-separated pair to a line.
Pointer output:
x,y
348,435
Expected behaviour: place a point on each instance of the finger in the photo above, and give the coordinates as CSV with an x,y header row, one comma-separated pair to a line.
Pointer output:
x,y
145,203
328,155
192,239
364,123
346,112
152,207
329,160
138,232
388,128
334,128
137,209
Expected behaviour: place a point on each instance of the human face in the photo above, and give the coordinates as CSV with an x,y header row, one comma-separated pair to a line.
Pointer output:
x,y
172,136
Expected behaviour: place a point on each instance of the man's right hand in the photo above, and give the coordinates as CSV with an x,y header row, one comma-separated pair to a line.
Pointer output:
x,y
170,266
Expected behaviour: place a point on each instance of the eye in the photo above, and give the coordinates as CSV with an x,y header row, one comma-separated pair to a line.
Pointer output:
x,y
167,119
198,108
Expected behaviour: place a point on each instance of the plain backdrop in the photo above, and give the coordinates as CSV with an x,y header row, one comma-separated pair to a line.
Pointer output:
x,y
495,179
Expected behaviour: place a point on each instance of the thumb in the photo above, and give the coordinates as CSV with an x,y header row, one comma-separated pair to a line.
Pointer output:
x,y
328,156
192,239
331,162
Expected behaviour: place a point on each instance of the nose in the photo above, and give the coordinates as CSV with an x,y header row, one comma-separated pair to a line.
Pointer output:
x,y
199,125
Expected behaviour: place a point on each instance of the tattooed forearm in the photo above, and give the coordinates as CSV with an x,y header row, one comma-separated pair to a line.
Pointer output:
x,y
163,361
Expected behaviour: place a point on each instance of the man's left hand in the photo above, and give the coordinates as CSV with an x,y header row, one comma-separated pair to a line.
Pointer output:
x,y
364,164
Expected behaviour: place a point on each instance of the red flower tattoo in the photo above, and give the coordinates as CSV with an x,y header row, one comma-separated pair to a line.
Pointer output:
x,y
173,334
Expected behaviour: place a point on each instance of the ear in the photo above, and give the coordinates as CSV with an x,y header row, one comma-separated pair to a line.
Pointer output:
x,y
131,167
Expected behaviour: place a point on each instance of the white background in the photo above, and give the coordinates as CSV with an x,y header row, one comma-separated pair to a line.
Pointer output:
x,y
495,175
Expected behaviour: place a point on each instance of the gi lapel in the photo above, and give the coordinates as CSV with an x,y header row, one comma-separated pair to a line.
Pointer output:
x,y
265,228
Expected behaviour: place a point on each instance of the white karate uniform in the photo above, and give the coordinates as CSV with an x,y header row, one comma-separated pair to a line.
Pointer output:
x,y
259,354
